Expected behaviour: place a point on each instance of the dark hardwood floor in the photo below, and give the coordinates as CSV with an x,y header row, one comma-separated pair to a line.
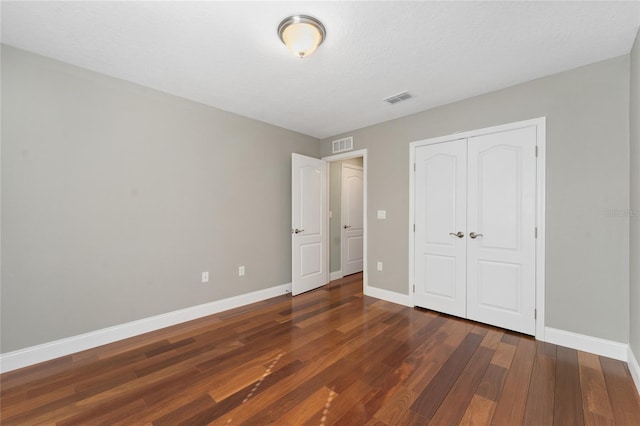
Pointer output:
x,y
331,356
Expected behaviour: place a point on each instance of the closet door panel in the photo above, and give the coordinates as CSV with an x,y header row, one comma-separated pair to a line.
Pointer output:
x,y
440,212
501,217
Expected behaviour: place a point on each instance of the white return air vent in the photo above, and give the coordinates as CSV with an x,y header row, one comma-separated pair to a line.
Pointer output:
x,y
342,145
398,97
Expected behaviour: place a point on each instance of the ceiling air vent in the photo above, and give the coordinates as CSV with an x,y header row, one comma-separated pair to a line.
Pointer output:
x,y
394,99
342,145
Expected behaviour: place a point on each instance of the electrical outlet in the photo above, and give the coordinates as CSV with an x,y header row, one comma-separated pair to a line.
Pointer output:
x,y
241,271
379,266
205,277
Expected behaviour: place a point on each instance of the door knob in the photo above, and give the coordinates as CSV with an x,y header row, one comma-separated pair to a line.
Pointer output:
x,y
474,235
458,234
347,226
297,231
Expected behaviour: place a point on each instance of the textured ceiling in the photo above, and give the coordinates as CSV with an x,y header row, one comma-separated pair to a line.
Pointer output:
x,y
228,55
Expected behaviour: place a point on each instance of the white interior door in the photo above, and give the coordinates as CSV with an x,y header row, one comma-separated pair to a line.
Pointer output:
x,y
352,219
440,232
501,212
308,223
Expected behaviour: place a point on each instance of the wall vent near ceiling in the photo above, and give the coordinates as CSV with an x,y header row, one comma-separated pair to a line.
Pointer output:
x,y
342,145
398,97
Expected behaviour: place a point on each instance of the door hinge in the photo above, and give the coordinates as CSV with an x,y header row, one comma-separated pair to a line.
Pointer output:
x,y
414,288
535,314
536,232
414,227
414,167
536,150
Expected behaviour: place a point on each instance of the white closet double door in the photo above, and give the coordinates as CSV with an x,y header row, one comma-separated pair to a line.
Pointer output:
x,y
475,203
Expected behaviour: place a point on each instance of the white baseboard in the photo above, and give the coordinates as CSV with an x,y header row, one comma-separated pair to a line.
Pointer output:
x,y
634,368
389,296
582,342
335,275
47,351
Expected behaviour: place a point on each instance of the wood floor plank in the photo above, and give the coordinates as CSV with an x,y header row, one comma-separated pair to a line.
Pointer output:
x,y
623,396
492,383
540,401
492,339
511,405
504,355
432,355
430,399
186,413
511,338
396,407
403,350
332,356
567,408
479,412
595,400
301,413
453,408
106,415
341,404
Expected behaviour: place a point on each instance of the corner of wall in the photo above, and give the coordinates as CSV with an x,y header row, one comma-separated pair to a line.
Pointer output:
x,y
634,209
634,368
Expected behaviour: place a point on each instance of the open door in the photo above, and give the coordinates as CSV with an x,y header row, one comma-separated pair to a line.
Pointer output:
x,y
308,223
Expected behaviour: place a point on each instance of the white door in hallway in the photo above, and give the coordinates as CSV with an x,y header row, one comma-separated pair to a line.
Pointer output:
x,y
308,223
440,231
352,219
501,205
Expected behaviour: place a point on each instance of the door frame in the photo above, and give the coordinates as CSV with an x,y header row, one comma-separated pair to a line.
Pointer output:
x,y
346,156
343,241
540,124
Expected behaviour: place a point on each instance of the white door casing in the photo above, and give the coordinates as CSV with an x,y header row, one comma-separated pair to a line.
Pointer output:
x,y
504,202
501,207
440,232
308,223
352,224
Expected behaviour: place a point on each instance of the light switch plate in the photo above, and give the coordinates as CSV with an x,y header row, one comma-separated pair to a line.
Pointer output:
x,y
382,214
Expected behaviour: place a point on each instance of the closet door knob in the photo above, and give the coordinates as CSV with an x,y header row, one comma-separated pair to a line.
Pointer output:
x,y
474,235
458,234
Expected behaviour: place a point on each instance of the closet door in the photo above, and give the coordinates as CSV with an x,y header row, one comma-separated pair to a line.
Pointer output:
x,y
501,225
440,234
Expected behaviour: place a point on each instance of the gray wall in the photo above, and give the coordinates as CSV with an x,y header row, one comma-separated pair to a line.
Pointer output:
x,y
634,255
587,253
335,205
115,198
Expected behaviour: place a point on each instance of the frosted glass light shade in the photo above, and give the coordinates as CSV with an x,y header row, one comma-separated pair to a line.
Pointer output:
x,y
301,34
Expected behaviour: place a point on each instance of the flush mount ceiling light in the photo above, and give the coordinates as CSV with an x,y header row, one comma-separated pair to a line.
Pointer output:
x,y
302,34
